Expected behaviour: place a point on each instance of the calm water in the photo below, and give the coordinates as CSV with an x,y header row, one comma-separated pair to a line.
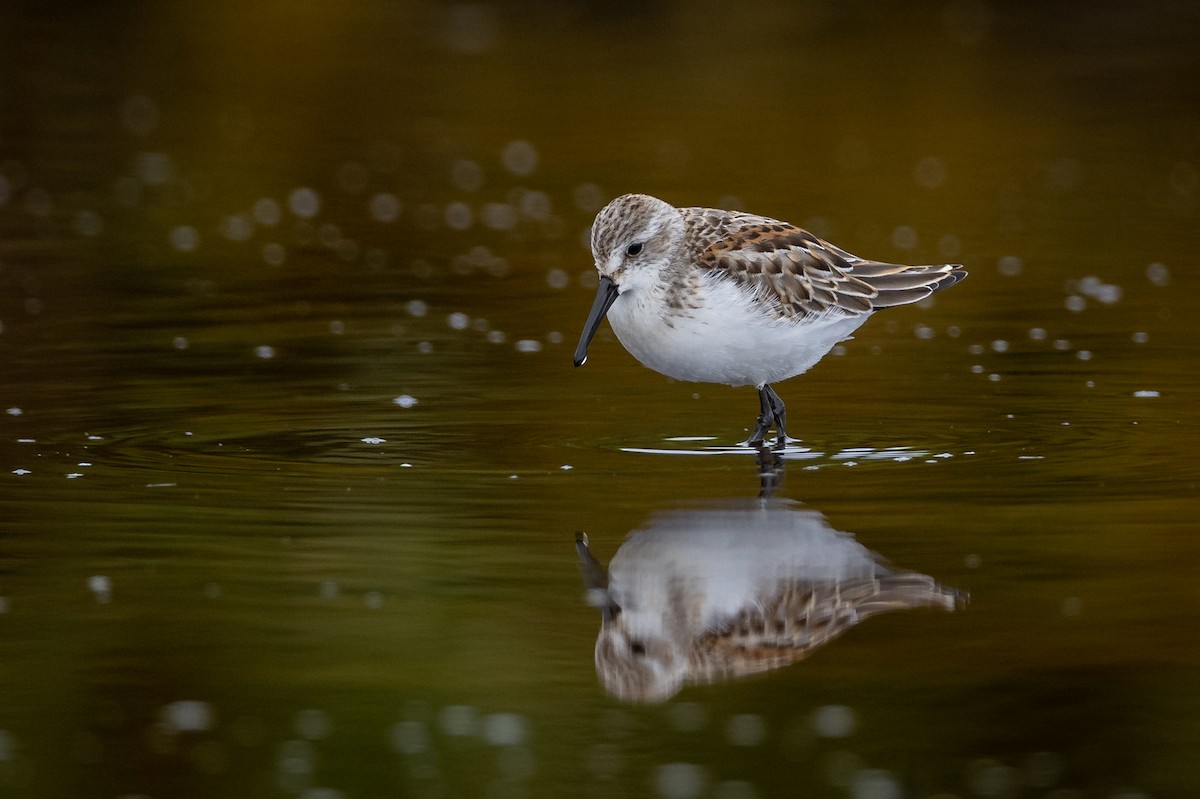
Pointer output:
x,y
293,457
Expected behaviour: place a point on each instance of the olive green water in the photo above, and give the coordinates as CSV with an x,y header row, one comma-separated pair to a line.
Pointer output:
x,y
293,455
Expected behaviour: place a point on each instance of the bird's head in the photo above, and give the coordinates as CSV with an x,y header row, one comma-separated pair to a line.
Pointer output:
x,y
634,239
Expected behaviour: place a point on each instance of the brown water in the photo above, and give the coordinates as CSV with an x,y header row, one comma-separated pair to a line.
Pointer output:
x,y
293,455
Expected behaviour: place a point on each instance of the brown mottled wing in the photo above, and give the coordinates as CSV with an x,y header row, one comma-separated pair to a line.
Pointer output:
x,y
800,275
802,617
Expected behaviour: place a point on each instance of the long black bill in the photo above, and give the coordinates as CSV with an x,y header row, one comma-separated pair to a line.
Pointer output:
x,y
595,579
606,295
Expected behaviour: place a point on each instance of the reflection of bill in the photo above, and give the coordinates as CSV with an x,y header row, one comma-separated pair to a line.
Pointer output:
x,y
718,592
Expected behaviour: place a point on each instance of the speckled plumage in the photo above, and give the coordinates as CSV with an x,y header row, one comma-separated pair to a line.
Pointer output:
x,y
720,592
706,295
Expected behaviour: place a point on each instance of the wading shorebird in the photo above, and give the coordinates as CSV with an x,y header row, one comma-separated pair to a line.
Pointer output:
x,y
722,591
712,296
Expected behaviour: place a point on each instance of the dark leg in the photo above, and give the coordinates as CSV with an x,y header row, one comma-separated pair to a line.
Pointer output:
x,y
765,417
778,415
770,472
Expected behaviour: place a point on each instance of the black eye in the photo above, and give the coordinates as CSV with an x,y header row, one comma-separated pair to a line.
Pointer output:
x,y
637,647
634,249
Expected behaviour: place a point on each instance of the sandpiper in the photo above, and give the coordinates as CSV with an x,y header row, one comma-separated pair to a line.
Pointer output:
x,y
713,296
720,591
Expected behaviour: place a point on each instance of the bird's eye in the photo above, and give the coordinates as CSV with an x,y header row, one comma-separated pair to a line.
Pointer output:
x,y
637,648
634,249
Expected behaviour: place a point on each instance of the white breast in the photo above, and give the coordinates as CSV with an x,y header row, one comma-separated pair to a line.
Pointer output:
x,y
727,559
728,339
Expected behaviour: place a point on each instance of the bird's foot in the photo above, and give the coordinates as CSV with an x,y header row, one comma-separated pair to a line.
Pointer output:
x,y
759,435
771,413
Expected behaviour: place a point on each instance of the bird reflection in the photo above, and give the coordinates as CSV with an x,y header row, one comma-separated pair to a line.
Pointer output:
x,y
716,592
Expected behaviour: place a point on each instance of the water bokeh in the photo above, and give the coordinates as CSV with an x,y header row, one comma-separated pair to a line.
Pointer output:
x,y
293,457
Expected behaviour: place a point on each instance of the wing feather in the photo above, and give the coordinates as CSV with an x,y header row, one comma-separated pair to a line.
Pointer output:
x,y
801,617
796,274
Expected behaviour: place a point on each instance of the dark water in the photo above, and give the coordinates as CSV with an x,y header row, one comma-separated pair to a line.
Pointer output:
x,y
293,456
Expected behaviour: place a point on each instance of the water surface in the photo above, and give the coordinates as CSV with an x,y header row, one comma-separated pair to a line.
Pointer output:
x,y
293,457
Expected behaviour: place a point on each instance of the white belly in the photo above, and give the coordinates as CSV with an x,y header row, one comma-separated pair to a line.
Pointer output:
x,y
727,340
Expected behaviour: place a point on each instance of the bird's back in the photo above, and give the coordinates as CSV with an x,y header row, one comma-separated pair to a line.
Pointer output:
x,y
799,275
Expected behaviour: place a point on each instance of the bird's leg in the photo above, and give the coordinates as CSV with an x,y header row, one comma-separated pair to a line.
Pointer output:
x,y
778,415
765,417
770,471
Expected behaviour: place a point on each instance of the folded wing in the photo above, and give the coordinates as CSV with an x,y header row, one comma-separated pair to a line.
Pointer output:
x,y
797,274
